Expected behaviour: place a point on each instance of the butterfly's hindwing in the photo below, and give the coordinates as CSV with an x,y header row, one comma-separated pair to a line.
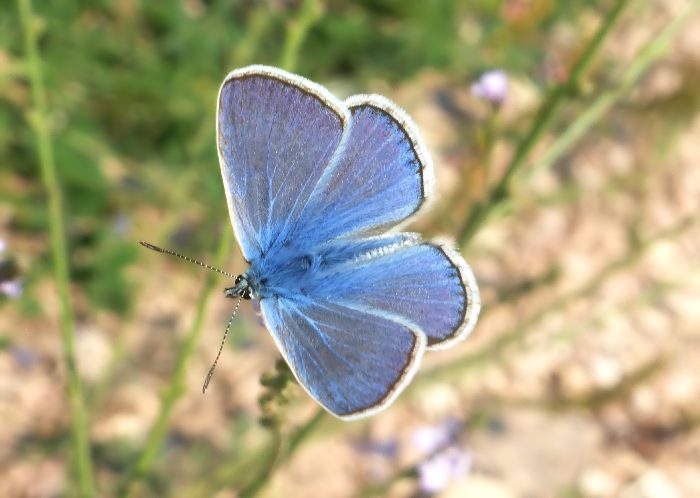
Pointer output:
x,y
352,362
425,283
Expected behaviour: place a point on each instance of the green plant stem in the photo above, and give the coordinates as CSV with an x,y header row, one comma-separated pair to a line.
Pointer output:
x,y
309,13
281,448
39,121
282,454
303,433
176,386
594,399
499,192
269,455
499,345
605,99
235,471
383,488
252,473
257,26
263,472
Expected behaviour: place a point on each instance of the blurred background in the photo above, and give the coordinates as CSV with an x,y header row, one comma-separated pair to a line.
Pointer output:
x,y
565,137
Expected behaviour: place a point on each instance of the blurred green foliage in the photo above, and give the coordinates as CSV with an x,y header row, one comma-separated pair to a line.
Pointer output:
x,y
132,84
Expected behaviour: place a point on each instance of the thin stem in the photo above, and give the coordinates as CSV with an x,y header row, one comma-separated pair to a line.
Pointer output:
x,y
269,453
39,122
303,433
605,99
176,387
264,471
279,454
517,335
251,473
277,451
545,116
309,13
258,23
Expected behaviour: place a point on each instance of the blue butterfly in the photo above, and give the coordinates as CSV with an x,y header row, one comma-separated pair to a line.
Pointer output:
x,y
316,188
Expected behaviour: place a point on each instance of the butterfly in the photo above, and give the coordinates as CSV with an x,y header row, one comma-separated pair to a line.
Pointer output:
x,y
317,190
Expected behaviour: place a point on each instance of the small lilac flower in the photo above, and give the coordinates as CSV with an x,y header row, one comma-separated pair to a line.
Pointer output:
x,y
491,86
24,357
437,472
121,224
430,438
11,288
3,246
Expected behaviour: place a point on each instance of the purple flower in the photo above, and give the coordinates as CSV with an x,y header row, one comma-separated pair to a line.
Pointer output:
x,y
445,460
11,288
3,246
430,438
437,472
491,86
24,357
121,224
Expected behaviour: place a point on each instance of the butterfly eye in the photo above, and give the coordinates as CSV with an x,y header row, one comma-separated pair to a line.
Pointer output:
x,y
245,293
238,280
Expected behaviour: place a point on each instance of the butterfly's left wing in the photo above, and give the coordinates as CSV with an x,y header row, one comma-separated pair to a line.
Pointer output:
x,y
353,362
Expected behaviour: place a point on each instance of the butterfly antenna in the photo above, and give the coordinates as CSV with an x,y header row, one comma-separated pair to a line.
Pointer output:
x,y
221,347
173,253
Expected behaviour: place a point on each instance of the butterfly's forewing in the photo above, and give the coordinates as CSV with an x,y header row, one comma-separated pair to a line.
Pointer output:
x,y
351,361
382,176
276,133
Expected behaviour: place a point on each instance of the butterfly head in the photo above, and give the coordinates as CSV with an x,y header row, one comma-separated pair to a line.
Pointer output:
x,y
242,288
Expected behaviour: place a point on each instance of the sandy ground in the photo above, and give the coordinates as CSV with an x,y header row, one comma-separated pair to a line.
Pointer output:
x,y
591,328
